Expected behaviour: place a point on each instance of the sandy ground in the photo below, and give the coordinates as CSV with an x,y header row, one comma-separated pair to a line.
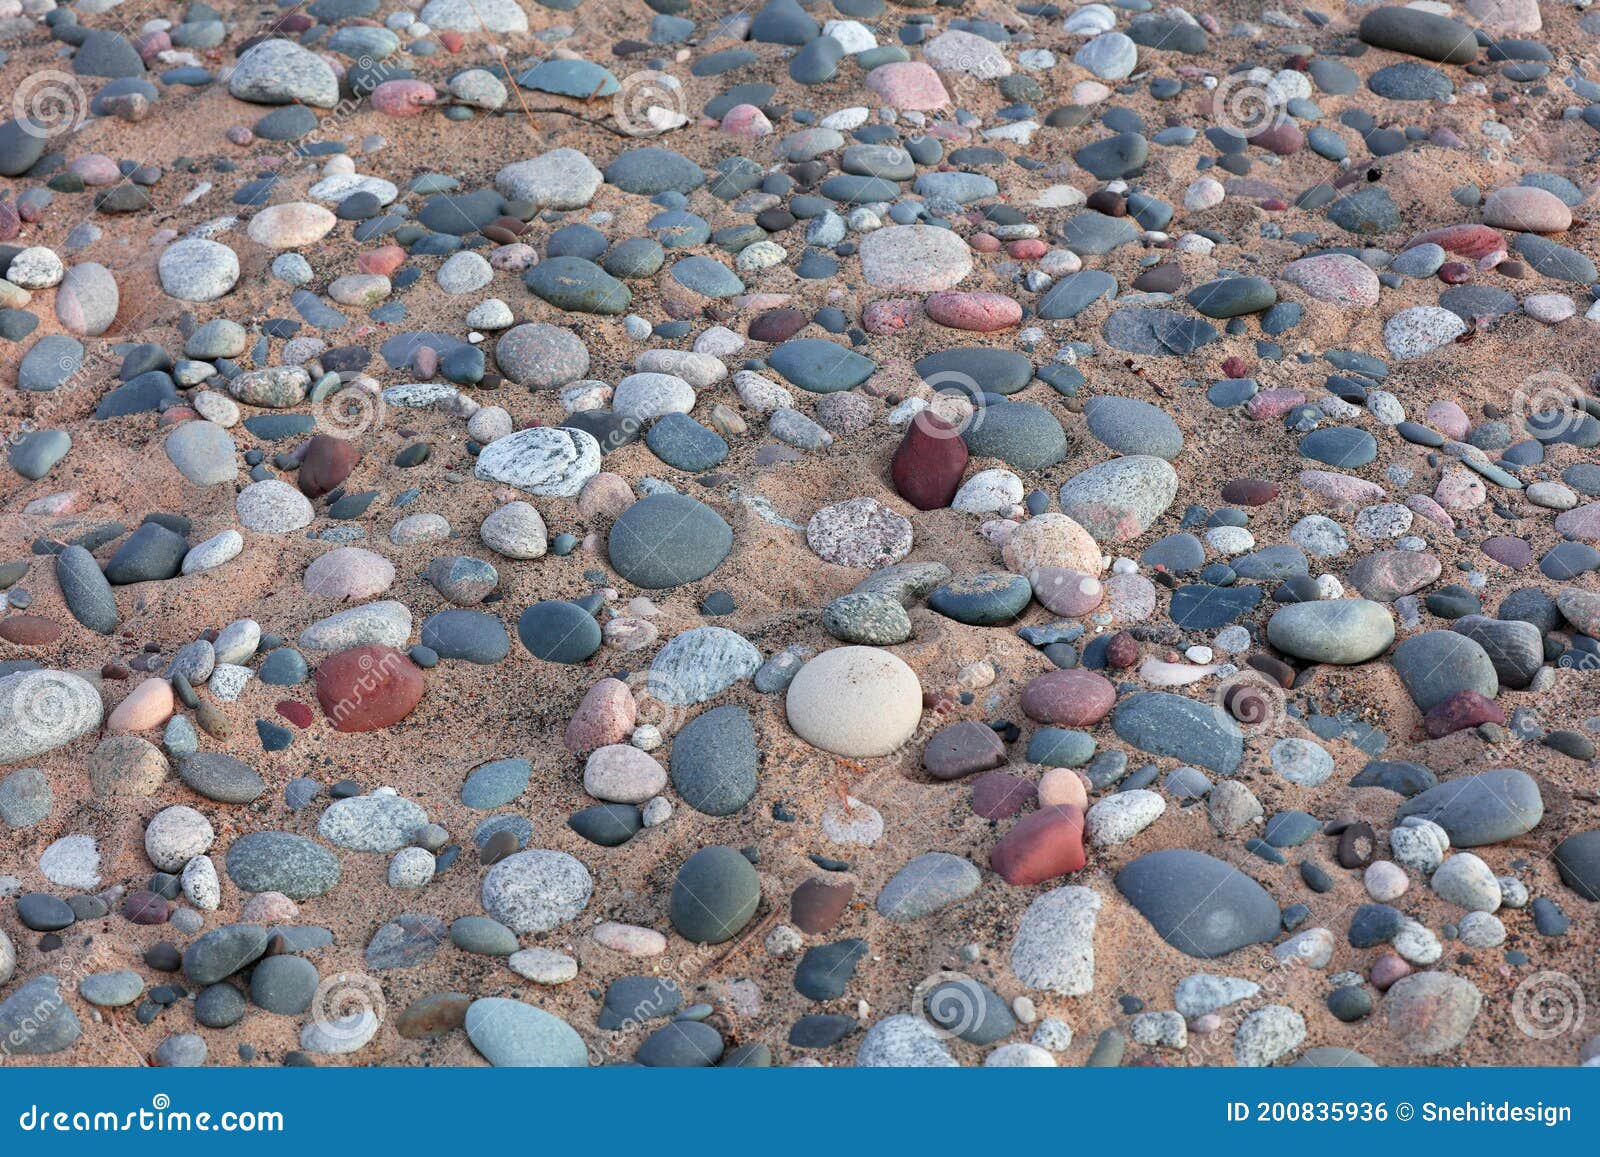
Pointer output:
x,y
520,707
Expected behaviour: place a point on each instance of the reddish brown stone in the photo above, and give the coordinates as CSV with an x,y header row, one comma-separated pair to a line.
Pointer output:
x,y
1122,651
368,687
817,905
1462,710
1282,137
777,325
29,630
145,907
1463,240
999,795
325,465
433,1015
961,749
1044,845
1075,697
606,715
1249,492
1275,668
297,713
927,466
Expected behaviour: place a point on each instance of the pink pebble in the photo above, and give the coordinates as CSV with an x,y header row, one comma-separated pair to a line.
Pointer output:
x,y
1386,970
1027,249
96,169
514,258
149,706
984,242
891,315
403,98
1273,403
908,84
1449,419
746,120
975,311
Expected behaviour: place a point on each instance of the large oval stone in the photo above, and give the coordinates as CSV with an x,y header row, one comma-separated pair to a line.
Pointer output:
x,y
1198,904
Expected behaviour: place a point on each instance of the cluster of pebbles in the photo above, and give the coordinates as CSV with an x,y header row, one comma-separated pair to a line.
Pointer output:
x,y
827,533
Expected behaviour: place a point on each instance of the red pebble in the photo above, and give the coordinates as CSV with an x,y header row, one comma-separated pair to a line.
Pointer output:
x,y
297,713
452,41
1455,272
1044,845
382,261
1461,711
1463,240
975,311
325,465
367,688
1028,249
1073,697
927,465
1122,651
403,98
1236,367
1249,492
